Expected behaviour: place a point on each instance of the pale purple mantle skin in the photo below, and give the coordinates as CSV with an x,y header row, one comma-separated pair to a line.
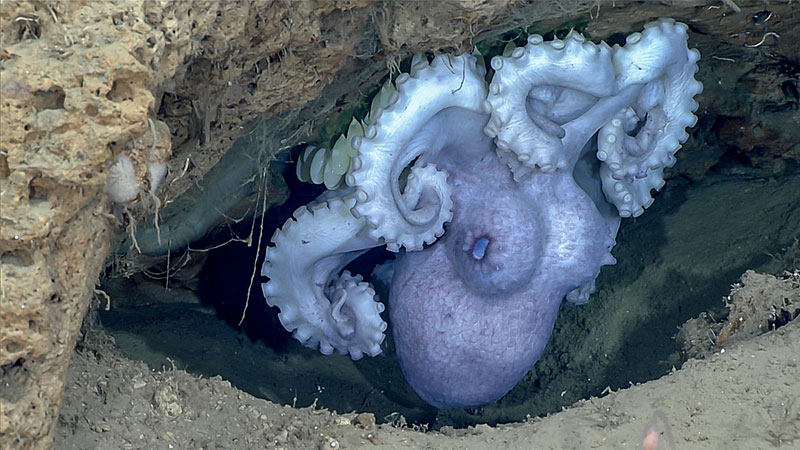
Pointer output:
x,y
467,330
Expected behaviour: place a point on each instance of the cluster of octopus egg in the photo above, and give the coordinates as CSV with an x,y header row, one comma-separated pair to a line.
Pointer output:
x,y
328,166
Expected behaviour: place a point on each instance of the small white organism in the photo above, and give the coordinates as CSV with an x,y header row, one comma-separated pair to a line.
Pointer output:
x,y
121,186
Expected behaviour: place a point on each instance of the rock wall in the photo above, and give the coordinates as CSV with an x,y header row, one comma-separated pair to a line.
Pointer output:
x,y
84,81
70,98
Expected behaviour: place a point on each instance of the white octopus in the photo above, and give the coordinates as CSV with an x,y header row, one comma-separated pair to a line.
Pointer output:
x,y
505,172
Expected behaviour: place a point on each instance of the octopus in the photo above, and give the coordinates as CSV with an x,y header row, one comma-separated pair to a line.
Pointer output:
x,y
500,199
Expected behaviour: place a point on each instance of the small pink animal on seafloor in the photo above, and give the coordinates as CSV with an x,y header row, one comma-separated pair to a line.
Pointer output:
x,y
652,433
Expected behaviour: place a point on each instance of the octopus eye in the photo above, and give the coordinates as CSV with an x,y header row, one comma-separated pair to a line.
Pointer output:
x,y
479,248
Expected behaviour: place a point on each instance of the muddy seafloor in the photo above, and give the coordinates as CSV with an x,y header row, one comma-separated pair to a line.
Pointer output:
x,y
676,261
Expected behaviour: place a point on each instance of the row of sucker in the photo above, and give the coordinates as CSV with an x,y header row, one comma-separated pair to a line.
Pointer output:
x,y
320,310
354,311
394,216
633,165
572,63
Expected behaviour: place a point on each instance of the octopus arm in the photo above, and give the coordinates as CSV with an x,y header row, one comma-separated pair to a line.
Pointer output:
x,y
415,216
541,69
319,307
659,61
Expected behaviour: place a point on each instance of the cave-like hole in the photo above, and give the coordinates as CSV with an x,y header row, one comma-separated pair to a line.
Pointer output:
x,y
19,258
622,336
15,381
121,90
52,98
28,27
37,194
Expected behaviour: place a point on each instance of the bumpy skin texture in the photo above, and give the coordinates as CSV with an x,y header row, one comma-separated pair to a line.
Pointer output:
x,y
503,179
468,325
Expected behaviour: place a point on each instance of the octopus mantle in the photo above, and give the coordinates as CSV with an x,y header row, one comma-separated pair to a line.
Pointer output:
x,y
496,199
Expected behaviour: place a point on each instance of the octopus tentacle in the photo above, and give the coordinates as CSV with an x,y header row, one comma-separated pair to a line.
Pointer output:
x,y
391,143
573,64
333,314
631,196
659,60
354,310
423,181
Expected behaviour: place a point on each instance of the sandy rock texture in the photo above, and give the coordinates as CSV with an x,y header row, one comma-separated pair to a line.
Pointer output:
x,y
86,81
70,98
758,303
